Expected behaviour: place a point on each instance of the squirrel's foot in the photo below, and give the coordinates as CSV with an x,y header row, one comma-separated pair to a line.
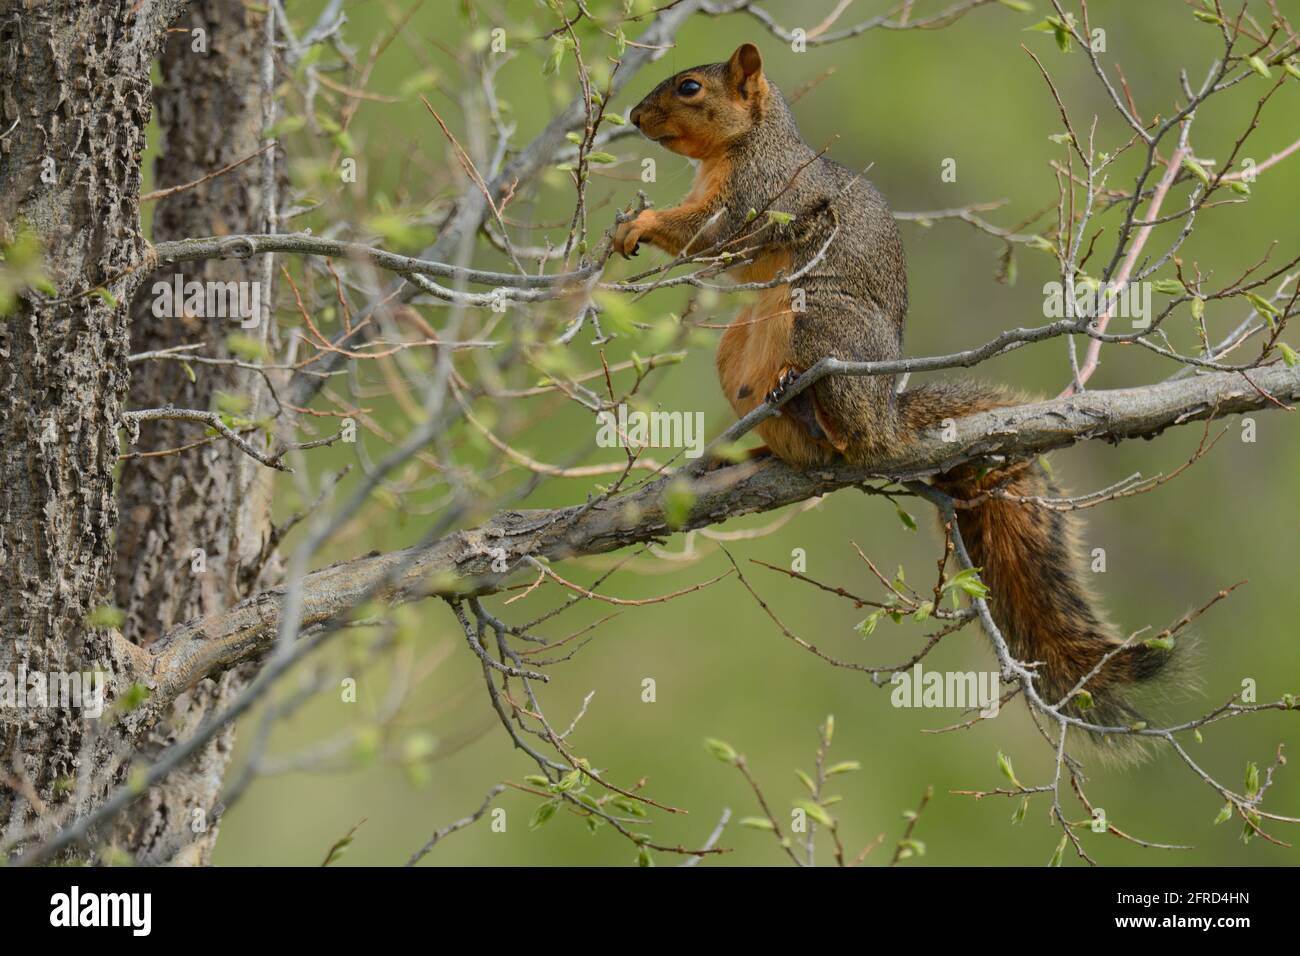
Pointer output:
x,y
784,379
802,408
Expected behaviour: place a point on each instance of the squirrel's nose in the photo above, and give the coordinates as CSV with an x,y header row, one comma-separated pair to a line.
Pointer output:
x,y
635,117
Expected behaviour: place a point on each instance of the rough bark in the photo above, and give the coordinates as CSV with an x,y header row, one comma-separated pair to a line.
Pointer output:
x,y
75,103
194,526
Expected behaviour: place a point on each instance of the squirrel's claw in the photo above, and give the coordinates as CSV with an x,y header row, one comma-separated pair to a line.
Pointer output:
x,y
784,379
627,237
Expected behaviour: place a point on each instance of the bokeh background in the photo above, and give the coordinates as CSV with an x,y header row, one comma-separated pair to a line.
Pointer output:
x,y
902,102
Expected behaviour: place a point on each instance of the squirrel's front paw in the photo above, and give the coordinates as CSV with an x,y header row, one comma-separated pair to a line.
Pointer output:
x,y
627,235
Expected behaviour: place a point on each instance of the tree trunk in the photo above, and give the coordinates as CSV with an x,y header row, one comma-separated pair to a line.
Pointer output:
x,y
195,526
74,106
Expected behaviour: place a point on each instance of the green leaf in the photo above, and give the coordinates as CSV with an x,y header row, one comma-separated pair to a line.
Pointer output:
x,y
537,780
1264,308
543,813
758,823
1084,700
780,218
1238,187
631,807
1252,779
1259,66
340,847
1020,6
230,403
1160,643
720,749
1019,815
816,813
1224,815
602,159
247,347
1059,855
556,57
419,81
867,625
844,766
1261,304
1004,764
968,581
1251,826
289,124
1197,170
806,780
1169,287
911,847
908,521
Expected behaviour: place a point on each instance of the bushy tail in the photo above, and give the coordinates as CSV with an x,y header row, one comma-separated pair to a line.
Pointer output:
x,y
1030,561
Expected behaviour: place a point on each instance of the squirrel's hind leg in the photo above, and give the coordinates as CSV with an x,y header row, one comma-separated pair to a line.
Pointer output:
x,y
802,408
857,413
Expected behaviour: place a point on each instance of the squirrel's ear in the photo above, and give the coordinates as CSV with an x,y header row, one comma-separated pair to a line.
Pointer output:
x,y
745,65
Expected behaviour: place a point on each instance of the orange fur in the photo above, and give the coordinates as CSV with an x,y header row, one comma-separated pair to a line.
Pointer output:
x,y
755,350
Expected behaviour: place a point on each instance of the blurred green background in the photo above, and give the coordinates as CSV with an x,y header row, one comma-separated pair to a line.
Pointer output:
x,y
902,102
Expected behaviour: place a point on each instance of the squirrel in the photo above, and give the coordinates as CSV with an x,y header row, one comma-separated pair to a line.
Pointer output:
x,y
750,160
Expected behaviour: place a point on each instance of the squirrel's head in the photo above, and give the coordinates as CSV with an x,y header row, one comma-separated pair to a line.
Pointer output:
x,y
701,111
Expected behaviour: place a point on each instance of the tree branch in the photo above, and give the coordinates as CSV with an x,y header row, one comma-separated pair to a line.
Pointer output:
x,y
479,560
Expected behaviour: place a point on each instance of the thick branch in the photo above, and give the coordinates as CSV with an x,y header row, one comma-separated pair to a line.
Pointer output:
x,y
467,562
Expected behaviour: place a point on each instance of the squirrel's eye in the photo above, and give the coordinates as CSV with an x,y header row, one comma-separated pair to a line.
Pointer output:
x,y
688,87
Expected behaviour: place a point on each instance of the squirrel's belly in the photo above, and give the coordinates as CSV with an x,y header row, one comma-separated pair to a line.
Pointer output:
x,y
753,352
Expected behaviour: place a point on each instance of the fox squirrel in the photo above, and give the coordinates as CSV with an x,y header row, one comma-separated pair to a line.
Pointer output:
x,y
751,160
